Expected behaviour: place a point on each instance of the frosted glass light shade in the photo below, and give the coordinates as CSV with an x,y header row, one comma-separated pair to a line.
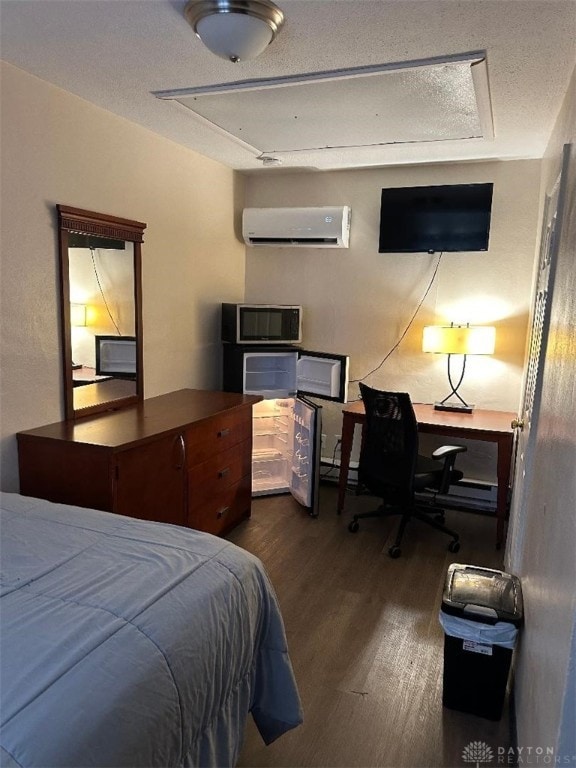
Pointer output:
x,y
237,30
234,37
459,340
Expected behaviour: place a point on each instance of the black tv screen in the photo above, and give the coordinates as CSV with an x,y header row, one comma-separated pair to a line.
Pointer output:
x,y
453,217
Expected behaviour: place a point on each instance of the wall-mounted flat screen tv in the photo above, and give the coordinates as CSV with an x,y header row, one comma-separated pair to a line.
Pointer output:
x,y
452,217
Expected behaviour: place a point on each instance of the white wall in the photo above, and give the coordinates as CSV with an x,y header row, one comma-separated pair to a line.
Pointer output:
x,y
546,671
359,302
57,148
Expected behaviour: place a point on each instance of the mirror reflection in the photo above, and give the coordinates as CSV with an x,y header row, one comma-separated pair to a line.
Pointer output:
x,y
101,310
102,317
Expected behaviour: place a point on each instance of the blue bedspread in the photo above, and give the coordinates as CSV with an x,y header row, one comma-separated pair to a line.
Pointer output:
x,y
129,643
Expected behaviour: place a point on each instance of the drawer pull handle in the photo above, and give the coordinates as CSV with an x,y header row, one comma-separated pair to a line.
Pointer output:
x,y
181,460
223,512
223,472
224,433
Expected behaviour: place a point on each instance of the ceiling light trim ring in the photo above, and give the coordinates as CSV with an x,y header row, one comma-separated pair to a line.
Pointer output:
x,y
263,10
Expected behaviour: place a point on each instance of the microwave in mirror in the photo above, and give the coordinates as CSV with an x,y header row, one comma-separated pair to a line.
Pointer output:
x,y
261,323
116,356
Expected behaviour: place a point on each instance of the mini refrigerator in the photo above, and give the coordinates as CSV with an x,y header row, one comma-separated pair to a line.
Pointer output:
x,y
287,428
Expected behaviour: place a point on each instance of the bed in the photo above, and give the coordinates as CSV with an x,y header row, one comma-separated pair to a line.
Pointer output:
x,y
131,643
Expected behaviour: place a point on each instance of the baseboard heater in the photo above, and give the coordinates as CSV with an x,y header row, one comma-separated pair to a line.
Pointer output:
x,y
471,494
468,494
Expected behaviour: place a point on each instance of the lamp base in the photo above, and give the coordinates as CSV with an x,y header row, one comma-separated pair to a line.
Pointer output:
x,y
457,407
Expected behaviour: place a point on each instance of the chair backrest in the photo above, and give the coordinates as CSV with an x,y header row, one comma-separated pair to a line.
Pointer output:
x,y
390,445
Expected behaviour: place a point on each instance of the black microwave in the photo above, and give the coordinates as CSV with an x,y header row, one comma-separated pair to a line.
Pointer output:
x,y
261,324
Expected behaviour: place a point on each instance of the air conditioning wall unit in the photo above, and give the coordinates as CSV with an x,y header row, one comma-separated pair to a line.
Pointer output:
x,y
324,227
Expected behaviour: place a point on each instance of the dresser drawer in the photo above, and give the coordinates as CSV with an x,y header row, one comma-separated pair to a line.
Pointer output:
x,y
211,477
216,434
223,512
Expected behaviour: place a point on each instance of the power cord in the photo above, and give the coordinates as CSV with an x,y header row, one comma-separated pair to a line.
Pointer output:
x,y
92,250
397,344
333,467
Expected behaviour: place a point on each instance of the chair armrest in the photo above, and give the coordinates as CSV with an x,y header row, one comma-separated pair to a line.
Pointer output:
x,y
448,450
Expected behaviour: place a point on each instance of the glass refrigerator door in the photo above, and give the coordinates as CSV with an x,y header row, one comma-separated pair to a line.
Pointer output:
x,y
305,480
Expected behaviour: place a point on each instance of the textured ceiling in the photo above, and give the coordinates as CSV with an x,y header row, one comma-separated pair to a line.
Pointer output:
x,y
119,53
350,108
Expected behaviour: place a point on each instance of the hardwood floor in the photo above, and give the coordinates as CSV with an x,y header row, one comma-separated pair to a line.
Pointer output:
x,y
364,636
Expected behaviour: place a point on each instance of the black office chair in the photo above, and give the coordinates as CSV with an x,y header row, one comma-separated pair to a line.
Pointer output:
x,y
391,468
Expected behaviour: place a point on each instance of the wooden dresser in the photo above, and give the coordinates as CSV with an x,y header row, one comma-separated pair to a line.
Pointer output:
x,y
182,458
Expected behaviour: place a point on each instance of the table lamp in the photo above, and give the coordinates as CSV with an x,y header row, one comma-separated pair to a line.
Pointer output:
x,y
77,320
77,315
461,340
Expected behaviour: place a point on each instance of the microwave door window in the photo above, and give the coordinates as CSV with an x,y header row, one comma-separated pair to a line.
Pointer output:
x,y
261,324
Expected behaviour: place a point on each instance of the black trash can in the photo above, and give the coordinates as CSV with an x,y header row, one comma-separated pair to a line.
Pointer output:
x,y
481,613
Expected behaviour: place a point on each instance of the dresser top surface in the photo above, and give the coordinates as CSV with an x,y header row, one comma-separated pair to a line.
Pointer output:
x,y
145,420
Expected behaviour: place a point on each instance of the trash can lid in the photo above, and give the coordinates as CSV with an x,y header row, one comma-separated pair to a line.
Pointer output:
x,y
482,594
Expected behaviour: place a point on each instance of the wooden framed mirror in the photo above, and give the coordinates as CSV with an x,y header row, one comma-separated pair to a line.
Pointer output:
x,y
101,310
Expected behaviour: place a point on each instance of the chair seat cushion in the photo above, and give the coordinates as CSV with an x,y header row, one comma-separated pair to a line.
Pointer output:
x,y
425,464
428,472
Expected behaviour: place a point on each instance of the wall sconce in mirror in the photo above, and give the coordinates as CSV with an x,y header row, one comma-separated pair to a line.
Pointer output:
x,y
77,320
237,30
461,340
78,315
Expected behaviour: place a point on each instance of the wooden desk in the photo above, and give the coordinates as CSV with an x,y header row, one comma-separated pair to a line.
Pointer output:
x,y
488,426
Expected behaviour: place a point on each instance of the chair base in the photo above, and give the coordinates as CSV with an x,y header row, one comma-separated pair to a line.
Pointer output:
x,y
407,515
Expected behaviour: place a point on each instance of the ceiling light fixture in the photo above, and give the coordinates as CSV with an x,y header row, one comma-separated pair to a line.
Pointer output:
x,y
237,30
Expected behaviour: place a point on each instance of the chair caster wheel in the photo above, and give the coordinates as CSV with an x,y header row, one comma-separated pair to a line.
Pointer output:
x,y
394,552
353,526
454,546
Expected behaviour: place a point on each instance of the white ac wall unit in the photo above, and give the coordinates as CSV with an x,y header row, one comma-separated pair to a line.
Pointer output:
x,y
325,227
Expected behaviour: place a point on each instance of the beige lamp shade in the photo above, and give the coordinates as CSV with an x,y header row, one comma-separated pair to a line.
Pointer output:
x,y
77,315
459,340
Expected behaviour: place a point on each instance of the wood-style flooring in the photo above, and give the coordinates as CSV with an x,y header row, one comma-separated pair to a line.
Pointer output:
x,y
364,636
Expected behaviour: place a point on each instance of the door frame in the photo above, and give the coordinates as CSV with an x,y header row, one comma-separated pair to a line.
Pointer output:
x,y
529,412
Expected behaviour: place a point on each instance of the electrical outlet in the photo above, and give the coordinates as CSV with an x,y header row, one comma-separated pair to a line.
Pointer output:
x,y
323,441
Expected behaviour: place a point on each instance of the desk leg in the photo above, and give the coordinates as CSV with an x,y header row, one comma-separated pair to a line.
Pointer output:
x,y
345,451
504,464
